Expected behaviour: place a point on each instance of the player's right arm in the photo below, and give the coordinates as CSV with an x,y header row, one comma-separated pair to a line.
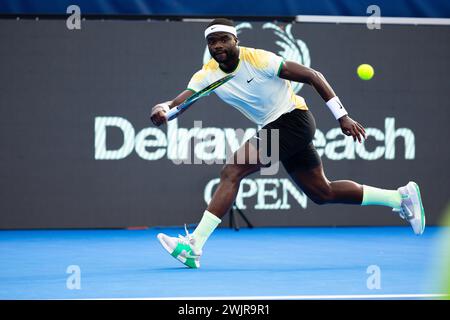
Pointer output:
x,y
158,115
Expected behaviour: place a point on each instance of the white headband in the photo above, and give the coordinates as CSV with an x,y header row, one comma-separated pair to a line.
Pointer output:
x,y
220,28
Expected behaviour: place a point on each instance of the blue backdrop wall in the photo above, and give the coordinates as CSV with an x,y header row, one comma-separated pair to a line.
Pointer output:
x,y
389,8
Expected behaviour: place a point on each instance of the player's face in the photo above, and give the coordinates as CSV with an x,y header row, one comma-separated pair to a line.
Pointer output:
x,y
222,46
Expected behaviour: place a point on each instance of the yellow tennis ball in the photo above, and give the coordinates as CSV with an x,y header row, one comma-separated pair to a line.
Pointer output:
x,y
365,71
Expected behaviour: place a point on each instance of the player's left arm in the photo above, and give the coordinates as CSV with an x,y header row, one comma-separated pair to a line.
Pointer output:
x,y
293,71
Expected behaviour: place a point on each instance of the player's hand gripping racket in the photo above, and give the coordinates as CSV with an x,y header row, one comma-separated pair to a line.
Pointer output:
x,y
174,112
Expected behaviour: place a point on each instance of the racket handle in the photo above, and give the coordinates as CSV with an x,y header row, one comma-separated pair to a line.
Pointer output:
x,y
171,114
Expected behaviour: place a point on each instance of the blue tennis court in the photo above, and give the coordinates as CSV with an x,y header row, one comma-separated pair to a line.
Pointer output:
x,y
283,263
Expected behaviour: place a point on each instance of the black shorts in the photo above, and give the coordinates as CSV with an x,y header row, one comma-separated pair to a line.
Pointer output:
x,y
296,131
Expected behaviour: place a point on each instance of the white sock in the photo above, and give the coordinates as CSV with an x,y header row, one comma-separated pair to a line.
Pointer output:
x,y
205,228
381,197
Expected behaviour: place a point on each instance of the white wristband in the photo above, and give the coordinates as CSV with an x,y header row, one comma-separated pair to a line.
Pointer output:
x,y
336,107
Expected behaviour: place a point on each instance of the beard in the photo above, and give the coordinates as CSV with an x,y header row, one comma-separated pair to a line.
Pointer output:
x,y
221,57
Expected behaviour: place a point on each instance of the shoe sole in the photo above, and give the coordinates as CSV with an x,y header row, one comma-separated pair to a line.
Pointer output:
x,y
422,210
183,260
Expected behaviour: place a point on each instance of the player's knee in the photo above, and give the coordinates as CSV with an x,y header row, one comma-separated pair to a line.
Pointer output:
x,y
231,173
322,195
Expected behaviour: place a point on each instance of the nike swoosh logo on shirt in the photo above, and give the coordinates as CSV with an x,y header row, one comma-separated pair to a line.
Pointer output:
x,y
248,81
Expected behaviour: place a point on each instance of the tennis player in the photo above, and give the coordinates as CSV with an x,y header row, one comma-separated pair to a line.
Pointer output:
x,y
261,90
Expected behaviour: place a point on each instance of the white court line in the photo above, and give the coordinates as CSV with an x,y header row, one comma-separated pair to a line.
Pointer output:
x,y
363,20
300,297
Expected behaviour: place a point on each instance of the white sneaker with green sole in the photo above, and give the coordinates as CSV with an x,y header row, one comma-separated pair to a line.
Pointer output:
x,y
182,248
412,208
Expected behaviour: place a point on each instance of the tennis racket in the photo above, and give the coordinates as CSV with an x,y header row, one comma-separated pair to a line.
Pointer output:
x,y
174,112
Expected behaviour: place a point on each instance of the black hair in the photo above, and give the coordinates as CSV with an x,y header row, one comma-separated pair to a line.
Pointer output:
x,y
224,21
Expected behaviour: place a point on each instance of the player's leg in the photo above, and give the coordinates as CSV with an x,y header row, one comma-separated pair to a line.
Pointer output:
x,y
245,161
321,191
188,249
307,172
